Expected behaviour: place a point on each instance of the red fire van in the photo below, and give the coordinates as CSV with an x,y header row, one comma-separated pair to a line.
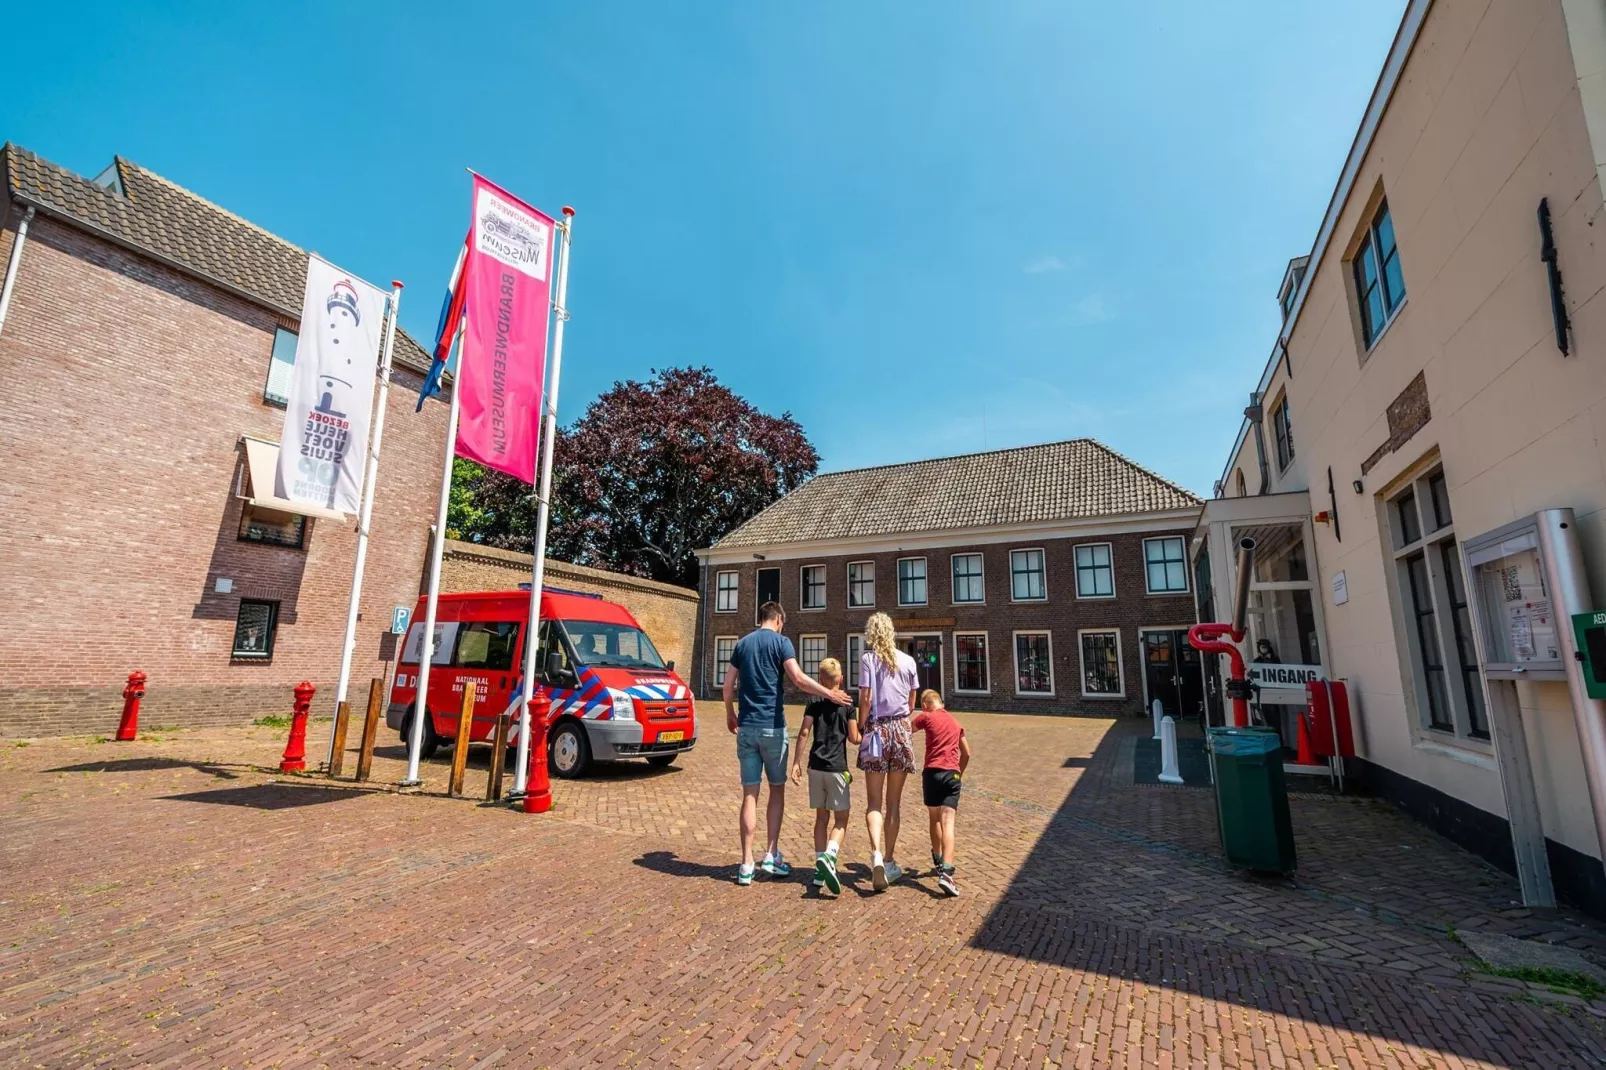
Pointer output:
x,y
612,695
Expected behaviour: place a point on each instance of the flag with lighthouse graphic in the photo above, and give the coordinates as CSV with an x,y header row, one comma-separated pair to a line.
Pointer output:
x,y
325,440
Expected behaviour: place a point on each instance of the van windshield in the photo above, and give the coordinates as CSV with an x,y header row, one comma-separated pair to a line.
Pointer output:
x,y
611,646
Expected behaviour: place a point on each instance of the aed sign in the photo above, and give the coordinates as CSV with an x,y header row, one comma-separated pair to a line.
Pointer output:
x,y
1590,630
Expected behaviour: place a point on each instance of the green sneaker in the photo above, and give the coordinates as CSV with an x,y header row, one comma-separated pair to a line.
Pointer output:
x,y
776,867
744,875
825,872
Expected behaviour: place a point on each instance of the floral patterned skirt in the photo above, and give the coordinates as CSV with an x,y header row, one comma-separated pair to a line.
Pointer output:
x,y
888,747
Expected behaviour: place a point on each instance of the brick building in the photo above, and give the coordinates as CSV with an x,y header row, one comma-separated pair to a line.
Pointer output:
x,y
1047,578
143,359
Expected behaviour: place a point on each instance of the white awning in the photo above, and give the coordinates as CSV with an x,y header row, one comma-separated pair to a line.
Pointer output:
x,y
262,462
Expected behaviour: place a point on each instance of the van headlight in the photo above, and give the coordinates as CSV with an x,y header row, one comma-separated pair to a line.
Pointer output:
x,y
624,707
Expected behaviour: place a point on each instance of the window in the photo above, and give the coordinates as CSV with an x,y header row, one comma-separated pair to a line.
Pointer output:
x,y
912,581
1284,433
601,645
1034,664
1101,664
811,651
861,584
1165,565
1379,284
1095,578
280,366
812,579
970,662
727,585
1026,578
272,527
968,586
724,645
486,645
769,589
855,652
1447,682
254,629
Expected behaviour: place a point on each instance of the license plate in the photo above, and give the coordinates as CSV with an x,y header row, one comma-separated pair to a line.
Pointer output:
x,y
671,737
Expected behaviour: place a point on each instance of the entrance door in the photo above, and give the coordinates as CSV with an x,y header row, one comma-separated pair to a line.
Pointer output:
x,y
1171,669
769,589
927,652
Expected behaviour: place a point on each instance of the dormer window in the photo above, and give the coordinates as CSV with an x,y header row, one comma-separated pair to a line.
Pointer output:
x,y
111,179
1292,277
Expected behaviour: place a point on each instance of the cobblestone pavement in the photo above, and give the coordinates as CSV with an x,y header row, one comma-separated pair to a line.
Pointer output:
x,y
175,902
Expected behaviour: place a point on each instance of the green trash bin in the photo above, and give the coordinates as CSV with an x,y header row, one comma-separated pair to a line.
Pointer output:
x,y
1252,798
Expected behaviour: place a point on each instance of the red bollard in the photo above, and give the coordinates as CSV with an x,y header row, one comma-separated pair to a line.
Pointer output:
x,y
128,727
295,752
538,782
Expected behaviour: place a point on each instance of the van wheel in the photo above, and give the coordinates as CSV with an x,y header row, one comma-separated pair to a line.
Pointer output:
x,y
662,761
428,742
568,752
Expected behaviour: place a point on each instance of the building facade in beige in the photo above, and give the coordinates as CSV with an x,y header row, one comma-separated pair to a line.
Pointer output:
x,y
1433,402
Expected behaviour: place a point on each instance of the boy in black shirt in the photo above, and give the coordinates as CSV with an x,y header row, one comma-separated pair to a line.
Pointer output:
x,y
834,727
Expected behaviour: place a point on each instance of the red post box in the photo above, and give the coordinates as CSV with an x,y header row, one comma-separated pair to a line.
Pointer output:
x,y
538,782
128,727
295,751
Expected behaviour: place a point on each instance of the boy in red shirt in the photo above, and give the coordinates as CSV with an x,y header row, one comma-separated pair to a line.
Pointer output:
x,y
947,755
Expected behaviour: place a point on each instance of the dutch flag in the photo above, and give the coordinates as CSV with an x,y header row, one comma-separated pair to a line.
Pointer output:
x,y
446,332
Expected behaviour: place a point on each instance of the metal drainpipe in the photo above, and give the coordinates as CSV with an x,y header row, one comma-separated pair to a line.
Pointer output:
x,y
13,264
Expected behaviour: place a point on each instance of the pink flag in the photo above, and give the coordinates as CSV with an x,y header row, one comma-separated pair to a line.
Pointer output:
x,y
503,359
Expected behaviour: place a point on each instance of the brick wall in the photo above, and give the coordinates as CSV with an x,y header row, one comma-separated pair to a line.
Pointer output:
x,y
1062,614
125,388
667,613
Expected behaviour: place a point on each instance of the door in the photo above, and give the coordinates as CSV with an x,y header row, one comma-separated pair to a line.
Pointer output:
x,y
927,652
1171,672
769,589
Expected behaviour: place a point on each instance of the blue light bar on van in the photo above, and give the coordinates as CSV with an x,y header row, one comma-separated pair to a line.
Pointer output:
x,y
562,590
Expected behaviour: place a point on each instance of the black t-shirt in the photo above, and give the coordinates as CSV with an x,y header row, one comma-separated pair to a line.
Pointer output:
x,y
829,751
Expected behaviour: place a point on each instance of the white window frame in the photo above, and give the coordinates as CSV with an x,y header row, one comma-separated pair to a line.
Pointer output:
x,y
953,582
1028,550
861,605
986,661
1076,571
802,658
735,590
721,666
803,588
925,580
1120,663
1186,582
850,671
1282,433
1014,659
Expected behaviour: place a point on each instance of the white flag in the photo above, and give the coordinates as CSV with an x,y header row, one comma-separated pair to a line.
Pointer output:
x,y
325,439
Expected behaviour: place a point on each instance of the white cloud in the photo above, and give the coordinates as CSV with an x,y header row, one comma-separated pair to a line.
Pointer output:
x,y
1041,264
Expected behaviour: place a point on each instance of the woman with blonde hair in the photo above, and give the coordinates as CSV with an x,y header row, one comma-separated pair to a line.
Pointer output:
x,y
888,685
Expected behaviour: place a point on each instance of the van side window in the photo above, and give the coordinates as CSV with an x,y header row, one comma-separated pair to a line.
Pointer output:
x,y
546,645
487,645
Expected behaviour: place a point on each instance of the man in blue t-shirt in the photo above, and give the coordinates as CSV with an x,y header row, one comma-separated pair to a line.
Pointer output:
x,y
761,665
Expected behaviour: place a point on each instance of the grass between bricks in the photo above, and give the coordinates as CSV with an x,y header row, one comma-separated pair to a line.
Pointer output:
x,y
273,720
1564,981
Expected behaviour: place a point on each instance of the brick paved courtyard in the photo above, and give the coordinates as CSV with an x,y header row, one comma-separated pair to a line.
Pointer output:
x,y
174,902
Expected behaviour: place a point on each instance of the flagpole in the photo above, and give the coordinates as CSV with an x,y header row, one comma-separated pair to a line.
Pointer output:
x,y
365,513
543,508
415,737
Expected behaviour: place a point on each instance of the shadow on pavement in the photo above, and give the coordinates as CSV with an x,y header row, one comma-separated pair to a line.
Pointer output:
x,y
270,796
669,863
145,765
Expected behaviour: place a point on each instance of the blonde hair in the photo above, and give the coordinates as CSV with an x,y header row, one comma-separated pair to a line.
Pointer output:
x,y
930,700
880,637
831,669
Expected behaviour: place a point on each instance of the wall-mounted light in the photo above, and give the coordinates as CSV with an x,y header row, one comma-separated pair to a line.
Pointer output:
x,y
1359,489
758,557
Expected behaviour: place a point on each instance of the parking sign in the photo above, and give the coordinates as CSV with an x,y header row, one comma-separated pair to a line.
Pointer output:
x,y
398,620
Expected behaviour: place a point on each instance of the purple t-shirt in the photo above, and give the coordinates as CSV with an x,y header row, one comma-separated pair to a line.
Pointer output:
x,y
889,691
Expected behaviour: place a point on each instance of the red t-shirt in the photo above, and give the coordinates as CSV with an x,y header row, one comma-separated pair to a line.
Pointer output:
x,y
942,738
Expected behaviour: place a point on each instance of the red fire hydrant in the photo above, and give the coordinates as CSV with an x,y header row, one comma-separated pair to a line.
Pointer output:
x,y
128,727
537,782
295,752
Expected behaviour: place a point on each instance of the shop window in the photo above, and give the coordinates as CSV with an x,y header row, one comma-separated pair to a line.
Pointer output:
x,y
281,366
255,627
727,587
1166,565
486,645
812,581
912,581
855,652
1034,663
970,662
1283,432
861,584
1095,575
272,528
724,645
1379,283
1028,581
968,583
1101,664
811,651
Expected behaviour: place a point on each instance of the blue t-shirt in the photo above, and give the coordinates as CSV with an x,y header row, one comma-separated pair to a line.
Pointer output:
x,y
759,659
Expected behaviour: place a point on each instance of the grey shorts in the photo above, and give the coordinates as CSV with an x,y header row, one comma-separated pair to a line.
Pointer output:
x,y
828,791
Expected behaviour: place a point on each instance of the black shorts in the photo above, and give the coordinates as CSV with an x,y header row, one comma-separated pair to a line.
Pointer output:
x,y
941,787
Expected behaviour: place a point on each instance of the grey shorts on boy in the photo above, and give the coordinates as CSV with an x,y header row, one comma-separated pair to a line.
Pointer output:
x,y
828,791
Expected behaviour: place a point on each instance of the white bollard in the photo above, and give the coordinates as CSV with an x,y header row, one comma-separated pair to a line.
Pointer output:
x,y
1159,712
1169,773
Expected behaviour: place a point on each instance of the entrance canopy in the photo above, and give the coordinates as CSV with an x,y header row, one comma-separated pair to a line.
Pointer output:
x,y
261,464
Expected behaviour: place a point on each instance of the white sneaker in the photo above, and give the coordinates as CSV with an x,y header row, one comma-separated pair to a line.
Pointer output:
x,y
878,873
894,873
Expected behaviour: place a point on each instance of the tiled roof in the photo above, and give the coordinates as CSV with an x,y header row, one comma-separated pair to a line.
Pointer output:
x,y
158,217
1031,484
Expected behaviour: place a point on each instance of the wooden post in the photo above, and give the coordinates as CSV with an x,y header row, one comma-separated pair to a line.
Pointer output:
x,y
465,725
337,752
370,728
493,783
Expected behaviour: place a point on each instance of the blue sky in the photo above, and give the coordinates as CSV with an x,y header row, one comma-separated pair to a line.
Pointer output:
x,y
922,228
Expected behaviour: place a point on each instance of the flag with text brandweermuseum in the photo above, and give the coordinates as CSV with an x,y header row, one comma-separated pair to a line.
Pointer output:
x,y
325,438
502,362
